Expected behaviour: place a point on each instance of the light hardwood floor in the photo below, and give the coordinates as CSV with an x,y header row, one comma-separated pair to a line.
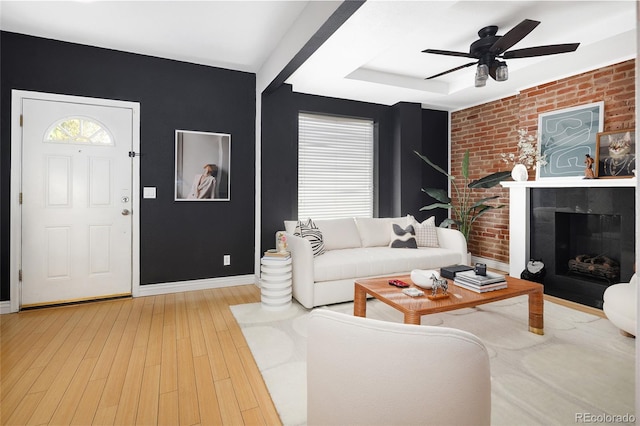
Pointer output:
x,y
176,359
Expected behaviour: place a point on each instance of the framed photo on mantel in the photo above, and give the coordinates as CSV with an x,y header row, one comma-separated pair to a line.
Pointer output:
x,y
566,136
616,154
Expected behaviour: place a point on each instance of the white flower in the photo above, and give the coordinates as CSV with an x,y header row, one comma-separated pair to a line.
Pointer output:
x,y
528,154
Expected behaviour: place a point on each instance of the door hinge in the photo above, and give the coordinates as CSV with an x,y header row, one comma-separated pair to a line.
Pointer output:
x,y
134,154
20,275
21,120
20,198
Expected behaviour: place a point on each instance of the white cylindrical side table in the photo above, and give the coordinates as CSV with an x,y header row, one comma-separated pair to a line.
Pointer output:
x,y
275,282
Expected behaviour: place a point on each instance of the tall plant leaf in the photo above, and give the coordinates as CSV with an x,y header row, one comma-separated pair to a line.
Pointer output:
x,y
436,206
491,180
435,166
438,194
465,165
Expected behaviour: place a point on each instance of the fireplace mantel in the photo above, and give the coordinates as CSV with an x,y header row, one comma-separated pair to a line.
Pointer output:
x,y
570,183
519,210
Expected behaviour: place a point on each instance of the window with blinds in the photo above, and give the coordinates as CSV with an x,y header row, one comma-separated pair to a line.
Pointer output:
x,y
335,167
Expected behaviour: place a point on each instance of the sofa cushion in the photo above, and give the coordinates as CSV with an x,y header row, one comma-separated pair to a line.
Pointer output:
x,y
339,233
309,231
377,261
426,233
403,237
376,231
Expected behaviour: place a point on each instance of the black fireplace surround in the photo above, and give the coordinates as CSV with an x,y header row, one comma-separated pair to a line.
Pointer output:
x,y
569,222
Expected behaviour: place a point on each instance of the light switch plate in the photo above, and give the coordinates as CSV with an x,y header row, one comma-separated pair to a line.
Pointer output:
x,y
149,192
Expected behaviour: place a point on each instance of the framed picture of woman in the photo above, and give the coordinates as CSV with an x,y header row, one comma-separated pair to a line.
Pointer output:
x,y
203,163
616,154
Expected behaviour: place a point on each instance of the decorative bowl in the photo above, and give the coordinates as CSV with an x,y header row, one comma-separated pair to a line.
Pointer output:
x,y
422,277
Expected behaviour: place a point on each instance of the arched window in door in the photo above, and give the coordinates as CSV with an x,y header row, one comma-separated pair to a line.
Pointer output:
x,y
79,130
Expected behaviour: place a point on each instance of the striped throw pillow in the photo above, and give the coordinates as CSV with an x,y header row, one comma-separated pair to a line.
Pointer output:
x,y
309,231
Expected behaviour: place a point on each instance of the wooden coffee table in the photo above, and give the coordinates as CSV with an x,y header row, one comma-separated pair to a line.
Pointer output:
x,y
414,308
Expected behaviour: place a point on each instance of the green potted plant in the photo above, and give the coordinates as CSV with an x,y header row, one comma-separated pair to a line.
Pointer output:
x,y
468,209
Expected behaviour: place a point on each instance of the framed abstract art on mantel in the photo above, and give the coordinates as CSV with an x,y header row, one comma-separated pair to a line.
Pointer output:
x,y
566,136
203,163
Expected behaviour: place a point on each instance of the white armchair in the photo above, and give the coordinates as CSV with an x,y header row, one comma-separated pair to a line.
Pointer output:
x,y
370,372
621,305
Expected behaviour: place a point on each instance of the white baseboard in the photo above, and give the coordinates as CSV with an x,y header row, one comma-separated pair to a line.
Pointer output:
x,y
491,263
5,307
176,287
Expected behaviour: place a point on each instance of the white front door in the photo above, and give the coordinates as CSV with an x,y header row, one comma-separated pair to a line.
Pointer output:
x,y
76,201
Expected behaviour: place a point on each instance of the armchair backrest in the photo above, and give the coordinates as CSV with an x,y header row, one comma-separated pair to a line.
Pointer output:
x,y
365,371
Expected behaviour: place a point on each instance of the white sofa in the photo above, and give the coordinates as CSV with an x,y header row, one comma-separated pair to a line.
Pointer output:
x,y
621,305
362,371
359,248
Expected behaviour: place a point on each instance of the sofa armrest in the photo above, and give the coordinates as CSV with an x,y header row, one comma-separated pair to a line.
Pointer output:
x,y
302,269
453,239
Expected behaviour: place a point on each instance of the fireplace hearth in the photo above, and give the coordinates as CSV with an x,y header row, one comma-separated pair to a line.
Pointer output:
x,y
586,237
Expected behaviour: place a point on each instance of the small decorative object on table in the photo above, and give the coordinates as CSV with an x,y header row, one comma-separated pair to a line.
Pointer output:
x,y
588,170
281,242
480,269
438,284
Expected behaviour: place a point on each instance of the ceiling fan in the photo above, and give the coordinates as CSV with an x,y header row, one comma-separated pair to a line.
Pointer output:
x,y
490,48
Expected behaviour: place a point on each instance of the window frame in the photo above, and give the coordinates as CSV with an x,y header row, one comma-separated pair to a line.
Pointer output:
x,y
372,154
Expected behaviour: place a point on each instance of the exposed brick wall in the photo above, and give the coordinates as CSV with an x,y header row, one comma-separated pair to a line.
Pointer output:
x,y
490,129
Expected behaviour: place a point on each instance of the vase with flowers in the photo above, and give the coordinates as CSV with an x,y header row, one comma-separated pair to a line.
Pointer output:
x,y
527,156
281,242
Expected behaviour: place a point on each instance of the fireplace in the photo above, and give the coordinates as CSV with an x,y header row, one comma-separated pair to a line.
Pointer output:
x,y
586,238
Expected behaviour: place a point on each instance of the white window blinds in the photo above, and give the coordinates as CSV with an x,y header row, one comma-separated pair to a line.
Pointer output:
x,y
335,167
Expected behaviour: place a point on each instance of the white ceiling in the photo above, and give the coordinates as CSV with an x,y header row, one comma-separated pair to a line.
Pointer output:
x,y
375,56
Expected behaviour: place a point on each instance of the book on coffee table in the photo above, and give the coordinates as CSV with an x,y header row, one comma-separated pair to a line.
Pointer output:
x,y
451,271
480,288
472,278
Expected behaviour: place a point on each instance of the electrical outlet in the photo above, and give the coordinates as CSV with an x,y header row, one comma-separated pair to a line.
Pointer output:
x,y
227,259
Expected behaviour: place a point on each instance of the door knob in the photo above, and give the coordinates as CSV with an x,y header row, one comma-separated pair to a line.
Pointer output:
x,y
125,212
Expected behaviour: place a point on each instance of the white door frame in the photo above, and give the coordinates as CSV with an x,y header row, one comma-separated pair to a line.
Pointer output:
x,y
15,247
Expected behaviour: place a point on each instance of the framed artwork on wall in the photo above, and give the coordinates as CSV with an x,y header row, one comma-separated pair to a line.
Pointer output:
x,y
203,163
566,136
616,154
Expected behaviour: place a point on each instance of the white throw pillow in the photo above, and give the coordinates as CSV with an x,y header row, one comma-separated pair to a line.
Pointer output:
x,y
339,233
403,237
374,232
309,231
426,233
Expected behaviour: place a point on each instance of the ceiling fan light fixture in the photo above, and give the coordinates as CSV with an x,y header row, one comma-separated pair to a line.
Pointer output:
x,y
502,72
482,72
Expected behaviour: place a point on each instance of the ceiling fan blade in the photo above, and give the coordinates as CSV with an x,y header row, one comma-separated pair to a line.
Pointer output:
x,y
448,53
551,49
513,36
452,70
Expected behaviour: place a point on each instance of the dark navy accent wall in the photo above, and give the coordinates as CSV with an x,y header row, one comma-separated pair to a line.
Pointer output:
x,y
400,130
406,165
435,146
178,240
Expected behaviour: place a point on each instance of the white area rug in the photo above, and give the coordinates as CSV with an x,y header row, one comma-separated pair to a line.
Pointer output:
x,y
582,366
